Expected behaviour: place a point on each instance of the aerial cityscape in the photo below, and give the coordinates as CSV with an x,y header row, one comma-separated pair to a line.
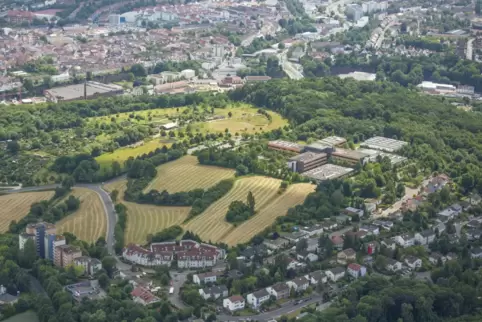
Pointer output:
x,y
264,160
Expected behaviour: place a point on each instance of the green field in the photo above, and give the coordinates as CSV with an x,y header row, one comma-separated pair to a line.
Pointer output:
x,y
122,154
28,316
239,118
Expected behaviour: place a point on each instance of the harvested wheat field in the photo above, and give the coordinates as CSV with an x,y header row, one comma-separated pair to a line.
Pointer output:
x,y
294,195
89,222
143,220
187,174
211,224
184,174
15,206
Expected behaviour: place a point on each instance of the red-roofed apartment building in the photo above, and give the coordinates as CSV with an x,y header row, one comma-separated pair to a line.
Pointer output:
x,y
143,296
356,270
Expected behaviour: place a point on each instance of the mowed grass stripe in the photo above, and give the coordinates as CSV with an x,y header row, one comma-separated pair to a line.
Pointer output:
x,y
294,195
186,174
143,220
16,206
211,224
89,222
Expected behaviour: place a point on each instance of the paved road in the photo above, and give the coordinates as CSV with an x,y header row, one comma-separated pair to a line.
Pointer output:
x,y
266,316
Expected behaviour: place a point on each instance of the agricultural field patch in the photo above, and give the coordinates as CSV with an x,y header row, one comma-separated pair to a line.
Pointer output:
x,y
187,174
122,154
89,221
143,220
15,206
211,224
294,195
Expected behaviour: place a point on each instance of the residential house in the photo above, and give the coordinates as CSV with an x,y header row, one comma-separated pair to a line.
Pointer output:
x,y
144,296
314,230
329,225
371,205
299,284
451,212
257,298
370,229
214,292
312,245
371,247
337,242
307,256
393,265
405,240
436,183
368,260
318,277
451,256
385,224
473,224
279,290
209,277
356,270
295,236
341,219
5,298
389,243
440,227
412,204
425,237
473,234
476,252
234,303
257,250
276,244
335,274
353,211
435,257
89,264
413,262
475,199
345,256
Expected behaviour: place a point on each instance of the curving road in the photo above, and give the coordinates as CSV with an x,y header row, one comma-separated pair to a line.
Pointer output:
x,y
104,196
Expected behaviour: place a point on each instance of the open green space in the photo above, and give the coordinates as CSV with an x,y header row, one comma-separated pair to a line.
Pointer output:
x,y
28,316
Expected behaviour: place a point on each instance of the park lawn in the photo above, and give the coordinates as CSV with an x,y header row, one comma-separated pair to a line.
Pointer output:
x,y
244,119
158,115
28,316
122,154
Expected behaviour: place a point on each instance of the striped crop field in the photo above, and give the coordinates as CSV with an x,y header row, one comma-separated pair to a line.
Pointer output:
x,y
187,174
294,195
143,220
89,222
184,174
15,206
212,226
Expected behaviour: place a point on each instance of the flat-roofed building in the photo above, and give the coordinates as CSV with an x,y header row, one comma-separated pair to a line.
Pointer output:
x,y
349,156
307,161
327,172
383,144
373,156
286,146
81,91
333,141
319,147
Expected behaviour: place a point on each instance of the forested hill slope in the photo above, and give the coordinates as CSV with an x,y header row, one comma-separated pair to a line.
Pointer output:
x,y
442,137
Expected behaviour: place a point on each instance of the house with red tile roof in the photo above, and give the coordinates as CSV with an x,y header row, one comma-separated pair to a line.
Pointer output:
x,y
144,296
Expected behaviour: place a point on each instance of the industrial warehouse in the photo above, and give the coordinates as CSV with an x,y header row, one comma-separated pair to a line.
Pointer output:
x,y
312,160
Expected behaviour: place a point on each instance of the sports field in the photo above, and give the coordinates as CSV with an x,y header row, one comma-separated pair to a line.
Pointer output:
x,y
89,221
143,220
187,174
15,206
212,226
